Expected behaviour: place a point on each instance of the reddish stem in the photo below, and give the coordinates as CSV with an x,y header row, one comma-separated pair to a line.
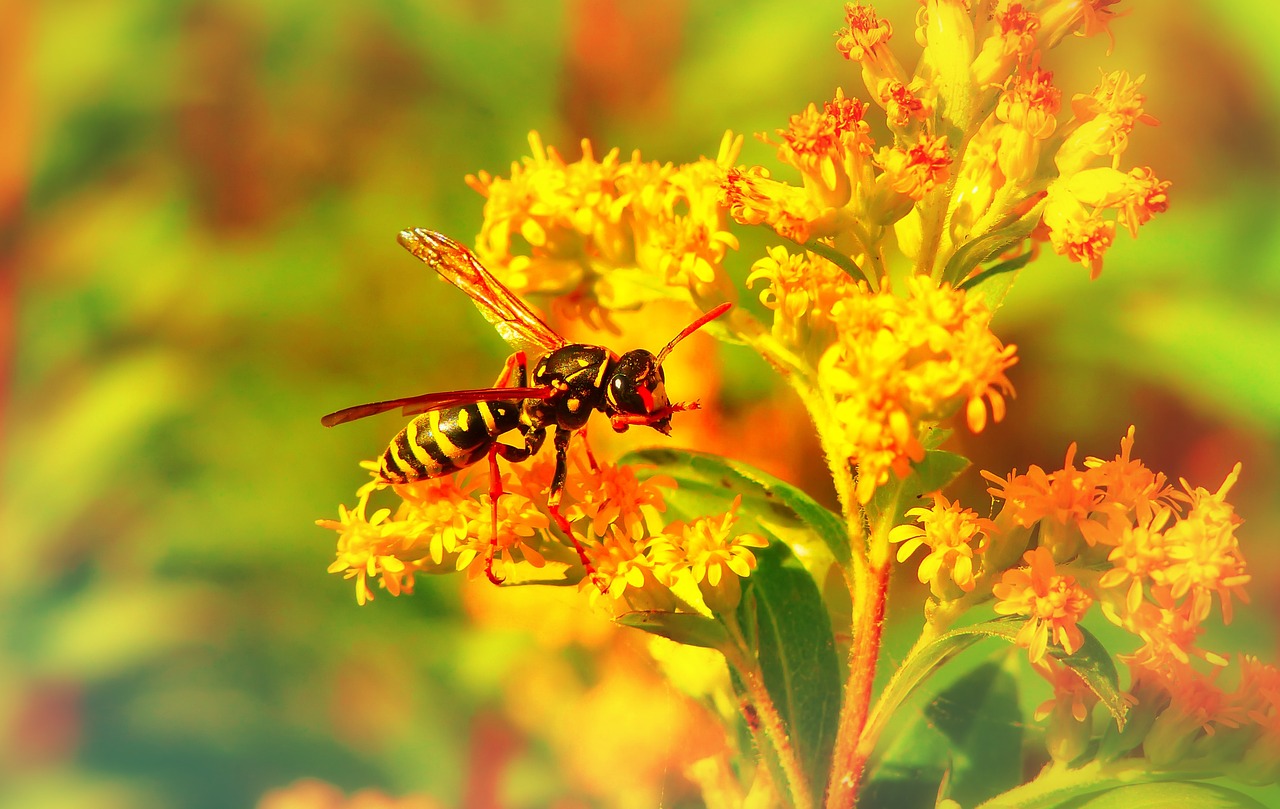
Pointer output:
x,y
850,757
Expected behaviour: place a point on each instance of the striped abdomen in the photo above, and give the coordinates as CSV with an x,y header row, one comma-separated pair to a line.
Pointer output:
x,y
443,441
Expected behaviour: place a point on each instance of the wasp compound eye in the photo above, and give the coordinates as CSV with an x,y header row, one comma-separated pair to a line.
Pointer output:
x,y
636,385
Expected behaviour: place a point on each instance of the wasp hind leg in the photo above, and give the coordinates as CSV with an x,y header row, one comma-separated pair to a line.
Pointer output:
x,y
553,505
517,363
532,443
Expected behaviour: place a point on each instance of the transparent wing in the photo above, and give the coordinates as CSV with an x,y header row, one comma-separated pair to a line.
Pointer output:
x,y
413,405
513,319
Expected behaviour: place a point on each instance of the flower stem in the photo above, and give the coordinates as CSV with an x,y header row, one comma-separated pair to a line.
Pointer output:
x,y
852,750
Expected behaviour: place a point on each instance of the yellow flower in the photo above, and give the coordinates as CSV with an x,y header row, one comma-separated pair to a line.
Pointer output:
x,y
903,103
1012,36
916,170
1203,552
802,291
899,362
563,227
1028,108
1101,122
865,40
952,534
1084,18
1053,603
369,548
627,575
707,550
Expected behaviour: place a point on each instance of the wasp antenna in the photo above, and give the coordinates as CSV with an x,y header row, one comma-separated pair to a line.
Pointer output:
x,y
694,326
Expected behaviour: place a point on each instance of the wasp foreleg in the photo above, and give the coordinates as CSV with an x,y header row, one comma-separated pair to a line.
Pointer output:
x,y
591,458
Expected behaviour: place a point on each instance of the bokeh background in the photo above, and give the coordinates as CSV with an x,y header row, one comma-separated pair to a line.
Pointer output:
x,y
197,260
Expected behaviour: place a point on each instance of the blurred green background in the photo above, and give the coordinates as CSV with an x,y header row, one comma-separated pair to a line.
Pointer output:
x,y
199,259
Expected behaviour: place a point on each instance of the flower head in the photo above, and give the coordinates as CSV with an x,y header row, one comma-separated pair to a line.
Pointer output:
x,y
953,536
1053,603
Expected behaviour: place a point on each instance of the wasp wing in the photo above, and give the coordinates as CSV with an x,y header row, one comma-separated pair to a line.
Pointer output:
x,y
512,318
413,405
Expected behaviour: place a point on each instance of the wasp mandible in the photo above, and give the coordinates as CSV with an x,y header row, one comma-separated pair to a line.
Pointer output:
x,y
455,429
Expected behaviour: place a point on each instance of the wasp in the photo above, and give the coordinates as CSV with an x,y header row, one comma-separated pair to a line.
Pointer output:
x,y
452,430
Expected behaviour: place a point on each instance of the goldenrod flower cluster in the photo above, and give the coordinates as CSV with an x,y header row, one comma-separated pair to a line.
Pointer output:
x,y
980,161
576,229
1158,561
637,559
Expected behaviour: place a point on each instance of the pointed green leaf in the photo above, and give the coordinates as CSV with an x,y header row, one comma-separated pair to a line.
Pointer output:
x,y
783,510
936,471
994,282
980,716
786,624
1166,795
1091,662
689,628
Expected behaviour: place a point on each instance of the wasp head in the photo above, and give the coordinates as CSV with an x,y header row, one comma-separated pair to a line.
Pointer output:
x,y
636,392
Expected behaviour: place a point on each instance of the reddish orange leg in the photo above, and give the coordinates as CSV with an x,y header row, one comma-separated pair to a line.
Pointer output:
x,y
553,506
495,491
591,458
518,364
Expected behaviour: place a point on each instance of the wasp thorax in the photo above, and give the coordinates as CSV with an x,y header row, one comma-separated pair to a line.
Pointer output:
x,y
637,385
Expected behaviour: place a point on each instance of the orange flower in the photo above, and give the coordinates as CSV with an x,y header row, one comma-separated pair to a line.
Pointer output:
x,y
1053,602
1128,485
1065,499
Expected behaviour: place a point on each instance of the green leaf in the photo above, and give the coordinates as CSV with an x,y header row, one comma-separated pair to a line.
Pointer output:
x,y
689,628
994,283
786,512
786,626
1091,662
980,716
992,243
934,473
1165,795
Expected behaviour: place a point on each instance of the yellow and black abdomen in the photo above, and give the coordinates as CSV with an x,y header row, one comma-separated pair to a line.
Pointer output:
x,y
440,442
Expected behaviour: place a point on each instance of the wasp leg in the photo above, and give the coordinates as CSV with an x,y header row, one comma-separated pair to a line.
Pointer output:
x,y
591,458
519,362
532,443
553,504
495,491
